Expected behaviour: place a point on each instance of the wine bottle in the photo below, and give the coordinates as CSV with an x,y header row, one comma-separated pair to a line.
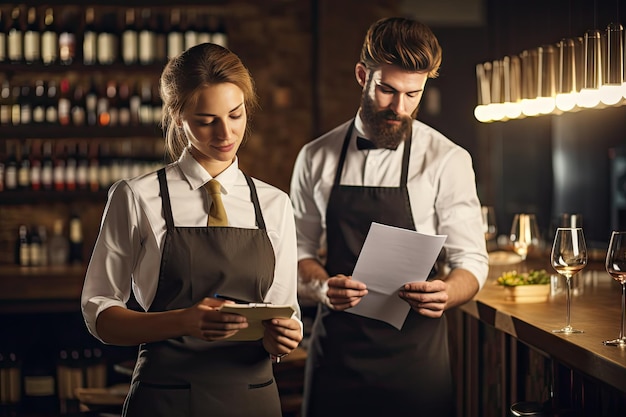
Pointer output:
x,y
11,377
3,38
76,240
47,167
147,39
16,105
43,236
5,103
58,174
160,51
113,102
22,246
70,167
26,103
10,170
15,38
35,248
123,95
82,166
130,39
58,245
32,38
107,39
23,170
175,38
204,34
67,39
191,31
49,39
135,104
35,166
94,167
52,102
39,381
91,104
65,103
219,36
145,109
90,38
39,102
78,110
102,108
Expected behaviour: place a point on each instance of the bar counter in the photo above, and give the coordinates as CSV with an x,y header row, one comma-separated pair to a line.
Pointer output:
x,y
595,308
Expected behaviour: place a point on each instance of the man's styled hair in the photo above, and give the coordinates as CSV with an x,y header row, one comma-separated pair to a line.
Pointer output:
x,y
406,43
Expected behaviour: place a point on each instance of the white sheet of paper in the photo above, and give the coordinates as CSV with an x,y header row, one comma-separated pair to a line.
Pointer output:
x,y
391,257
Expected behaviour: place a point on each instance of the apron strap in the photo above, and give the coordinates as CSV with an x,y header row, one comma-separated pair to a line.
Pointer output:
x,y
165,199
255,200
342,157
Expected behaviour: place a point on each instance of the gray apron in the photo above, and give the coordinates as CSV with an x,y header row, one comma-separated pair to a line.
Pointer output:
x,y
190,377
359,366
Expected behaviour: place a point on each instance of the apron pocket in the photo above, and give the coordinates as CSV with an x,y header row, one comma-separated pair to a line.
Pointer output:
x,y
155,400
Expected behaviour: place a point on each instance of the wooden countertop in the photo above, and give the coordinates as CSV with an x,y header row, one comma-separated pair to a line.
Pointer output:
x,y
595,308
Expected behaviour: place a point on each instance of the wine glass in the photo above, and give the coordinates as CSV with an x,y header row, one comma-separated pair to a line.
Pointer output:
x,y
524,233
569,256
489,223
616,267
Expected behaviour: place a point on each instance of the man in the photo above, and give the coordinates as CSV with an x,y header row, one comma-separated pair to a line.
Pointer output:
x,y
383,166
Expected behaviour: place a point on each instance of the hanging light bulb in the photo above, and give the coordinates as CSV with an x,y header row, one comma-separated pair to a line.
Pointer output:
x,y
529,82
546,81
497,106
611,89
589,96
481,111
512,72
567,95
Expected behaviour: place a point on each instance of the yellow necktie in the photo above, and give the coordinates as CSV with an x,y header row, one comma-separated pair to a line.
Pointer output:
x,y
217,213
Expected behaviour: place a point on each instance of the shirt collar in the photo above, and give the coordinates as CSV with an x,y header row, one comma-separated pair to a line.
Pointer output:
x,y
197,176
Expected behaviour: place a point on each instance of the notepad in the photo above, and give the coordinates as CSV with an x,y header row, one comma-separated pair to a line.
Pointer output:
x,y
256,313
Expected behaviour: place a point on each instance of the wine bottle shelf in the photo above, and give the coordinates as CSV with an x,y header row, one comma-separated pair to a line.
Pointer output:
x,y
64,132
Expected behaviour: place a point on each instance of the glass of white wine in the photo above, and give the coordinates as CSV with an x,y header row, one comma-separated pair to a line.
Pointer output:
x,y
524,234
616,267
569,256
489,223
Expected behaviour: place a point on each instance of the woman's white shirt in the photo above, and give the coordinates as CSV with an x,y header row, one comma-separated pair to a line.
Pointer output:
x,y
129,245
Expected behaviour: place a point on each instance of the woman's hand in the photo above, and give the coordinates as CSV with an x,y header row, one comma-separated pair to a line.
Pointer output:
x,y
205,321
281,336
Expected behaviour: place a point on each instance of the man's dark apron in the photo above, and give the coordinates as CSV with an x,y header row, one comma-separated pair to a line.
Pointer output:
x,y
359,366
187,376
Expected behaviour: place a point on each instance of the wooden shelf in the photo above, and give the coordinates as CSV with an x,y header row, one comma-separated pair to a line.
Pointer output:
x,y
36,131
40,289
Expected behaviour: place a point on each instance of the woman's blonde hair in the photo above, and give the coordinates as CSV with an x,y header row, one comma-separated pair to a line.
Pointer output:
x,y
406,43
184,75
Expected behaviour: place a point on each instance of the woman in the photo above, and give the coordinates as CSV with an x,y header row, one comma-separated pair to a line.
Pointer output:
x,y
154,238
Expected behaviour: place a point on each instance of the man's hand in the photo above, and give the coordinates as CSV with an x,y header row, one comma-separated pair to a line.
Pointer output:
x,y
428,298
344,292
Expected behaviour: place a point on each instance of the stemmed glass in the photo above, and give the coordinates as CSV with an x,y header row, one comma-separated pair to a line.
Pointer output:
x,y
524,234
616,267
489,223
569,256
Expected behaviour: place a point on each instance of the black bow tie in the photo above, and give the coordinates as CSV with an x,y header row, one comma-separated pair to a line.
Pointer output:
x,y
364,144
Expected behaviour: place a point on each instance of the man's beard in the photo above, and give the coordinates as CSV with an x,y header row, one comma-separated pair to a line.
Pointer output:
x,y
383,134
